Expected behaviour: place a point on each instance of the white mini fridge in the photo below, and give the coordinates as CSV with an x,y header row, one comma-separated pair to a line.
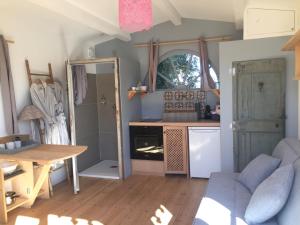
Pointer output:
x,y
204,151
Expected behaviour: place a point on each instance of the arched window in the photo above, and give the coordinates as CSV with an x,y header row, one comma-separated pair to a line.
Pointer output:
x,y
181,70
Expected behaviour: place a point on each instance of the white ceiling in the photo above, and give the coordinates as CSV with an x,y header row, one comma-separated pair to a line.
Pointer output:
x,y
220,10
102,15
108,10
43,20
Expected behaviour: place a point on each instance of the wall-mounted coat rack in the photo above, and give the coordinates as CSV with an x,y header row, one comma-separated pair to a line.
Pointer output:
x,y
49,80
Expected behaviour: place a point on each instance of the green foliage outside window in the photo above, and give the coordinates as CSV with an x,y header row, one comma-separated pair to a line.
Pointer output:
x,y
180,71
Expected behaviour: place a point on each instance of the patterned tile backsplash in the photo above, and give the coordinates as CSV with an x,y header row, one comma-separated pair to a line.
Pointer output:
x,y
184,101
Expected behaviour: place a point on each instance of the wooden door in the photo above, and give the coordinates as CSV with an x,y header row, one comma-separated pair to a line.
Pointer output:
x,y
258,108
175,150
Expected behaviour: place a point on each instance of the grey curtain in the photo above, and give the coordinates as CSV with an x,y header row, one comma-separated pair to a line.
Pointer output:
x,y
207,82
153,63
7,89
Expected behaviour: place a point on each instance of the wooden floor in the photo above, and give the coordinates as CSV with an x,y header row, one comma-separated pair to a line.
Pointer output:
x,y
137,200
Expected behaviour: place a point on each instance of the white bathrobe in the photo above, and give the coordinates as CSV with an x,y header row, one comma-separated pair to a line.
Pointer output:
x,y
49,99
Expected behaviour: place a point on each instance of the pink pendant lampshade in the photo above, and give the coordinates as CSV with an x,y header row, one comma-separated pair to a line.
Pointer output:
x,y
135,15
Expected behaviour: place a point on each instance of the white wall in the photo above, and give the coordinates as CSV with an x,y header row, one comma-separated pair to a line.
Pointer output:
x,y
152,103
251,50
130,109
129,76
41,37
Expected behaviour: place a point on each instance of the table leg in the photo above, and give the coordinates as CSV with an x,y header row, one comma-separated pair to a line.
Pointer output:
x,y
43,176
3,213
75,175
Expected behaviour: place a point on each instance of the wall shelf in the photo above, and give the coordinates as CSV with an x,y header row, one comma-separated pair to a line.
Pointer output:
x,y
292,42
19,202
216,92
294,45
132,93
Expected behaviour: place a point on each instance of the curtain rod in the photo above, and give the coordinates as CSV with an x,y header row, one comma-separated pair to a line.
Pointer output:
x,y
191,41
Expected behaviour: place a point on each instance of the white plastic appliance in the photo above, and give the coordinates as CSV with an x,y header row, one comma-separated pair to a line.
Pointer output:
x,y
204,151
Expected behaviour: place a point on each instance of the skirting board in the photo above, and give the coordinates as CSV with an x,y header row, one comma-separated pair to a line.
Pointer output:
x,y
147,167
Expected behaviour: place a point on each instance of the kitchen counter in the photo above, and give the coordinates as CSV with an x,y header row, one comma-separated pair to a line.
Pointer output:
x,y
200,123
173,136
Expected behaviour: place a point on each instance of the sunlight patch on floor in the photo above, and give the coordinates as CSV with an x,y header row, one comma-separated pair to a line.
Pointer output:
x,y
162,216
25,220
65,220
55,220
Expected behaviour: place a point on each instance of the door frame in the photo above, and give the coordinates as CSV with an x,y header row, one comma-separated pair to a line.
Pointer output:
x,y
115,62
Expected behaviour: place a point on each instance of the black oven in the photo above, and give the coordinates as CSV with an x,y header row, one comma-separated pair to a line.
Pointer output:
x,y
146,142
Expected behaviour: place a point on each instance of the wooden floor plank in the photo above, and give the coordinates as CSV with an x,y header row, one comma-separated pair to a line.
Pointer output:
x,y
133,201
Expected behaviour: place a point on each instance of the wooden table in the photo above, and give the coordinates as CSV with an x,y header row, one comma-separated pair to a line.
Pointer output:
x,y
34,182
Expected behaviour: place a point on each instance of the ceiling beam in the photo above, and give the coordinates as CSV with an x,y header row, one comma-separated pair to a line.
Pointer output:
x,y
73,12
99,40
166,7
239,7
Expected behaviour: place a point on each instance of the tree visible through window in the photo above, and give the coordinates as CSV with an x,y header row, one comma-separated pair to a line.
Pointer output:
x,y
179,71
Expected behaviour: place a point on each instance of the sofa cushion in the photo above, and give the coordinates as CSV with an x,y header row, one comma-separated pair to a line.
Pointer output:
x,y
242,198
291,211
270,196
258,170
288,150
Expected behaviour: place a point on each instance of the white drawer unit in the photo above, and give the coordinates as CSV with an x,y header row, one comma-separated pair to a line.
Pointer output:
x,y
204,151
262,23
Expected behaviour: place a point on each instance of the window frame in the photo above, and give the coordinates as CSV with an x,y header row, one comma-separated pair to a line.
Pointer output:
x,y
177,52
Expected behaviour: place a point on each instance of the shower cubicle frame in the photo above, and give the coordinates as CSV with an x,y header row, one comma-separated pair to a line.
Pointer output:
x,y
115,62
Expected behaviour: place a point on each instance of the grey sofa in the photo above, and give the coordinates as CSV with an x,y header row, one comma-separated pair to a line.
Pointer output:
x,y
226,199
